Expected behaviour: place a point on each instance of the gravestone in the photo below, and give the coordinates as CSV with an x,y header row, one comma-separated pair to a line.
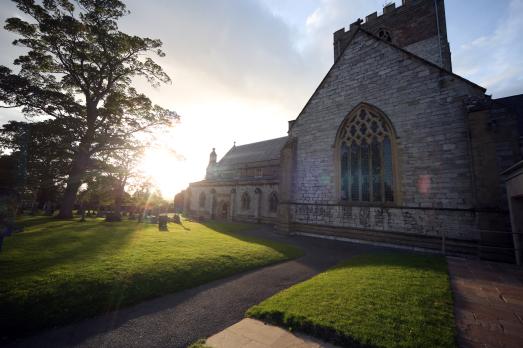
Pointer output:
x,y
162,222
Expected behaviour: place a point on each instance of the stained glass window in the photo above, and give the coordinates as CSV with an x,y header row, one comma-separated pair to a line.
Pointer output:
x,y
355,172
376,170
366,167
365,189
387,170
344,172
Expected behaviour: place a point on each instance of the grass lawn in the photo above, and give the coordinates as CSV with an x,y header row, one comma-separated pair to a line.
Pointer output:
x,y
60,271
375,300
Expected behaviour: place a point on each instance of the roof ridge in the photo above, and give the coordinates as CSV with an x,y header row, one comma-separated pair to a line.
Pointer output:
x,y
356,30
257,142
420,58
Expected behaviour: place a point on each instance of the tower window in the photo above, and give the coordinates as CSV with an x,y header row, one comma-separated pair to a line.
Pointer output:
x,y
384,34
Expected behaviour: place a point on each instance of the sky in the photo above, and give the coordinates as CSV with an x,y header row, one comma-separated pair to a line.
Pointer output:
x,y
241,69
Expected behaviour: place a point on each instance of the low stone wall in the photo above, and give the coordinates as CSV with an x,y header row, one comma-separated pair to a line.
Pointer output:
x,y
458,224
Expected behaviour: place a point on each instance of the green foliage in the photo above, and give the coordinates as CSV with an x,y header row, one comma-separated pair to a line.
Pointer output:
x,y
199,344
58,271
376,300
78,70
41,155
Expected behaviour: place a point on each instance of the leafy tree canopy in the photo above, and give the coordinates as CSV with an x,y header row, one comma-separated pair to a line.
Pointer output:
x,y
78,70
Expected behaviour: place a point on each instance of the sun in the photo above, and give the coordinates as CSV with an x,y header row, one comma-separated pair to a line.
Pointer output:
x,y
163,169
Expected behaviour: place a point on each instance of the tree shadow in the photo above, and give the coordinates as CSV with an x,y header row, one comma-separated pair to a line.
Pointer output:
x,y
235,230
58,242
400,259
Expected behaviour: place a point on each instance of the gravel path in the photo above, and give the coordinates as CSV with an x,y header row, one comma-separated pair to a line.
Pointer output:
x,y
180,319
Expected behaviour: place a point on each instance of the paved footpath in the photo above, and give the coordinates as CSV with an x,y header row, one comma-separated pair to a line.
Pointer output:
x,y
180,319
488,303
250,333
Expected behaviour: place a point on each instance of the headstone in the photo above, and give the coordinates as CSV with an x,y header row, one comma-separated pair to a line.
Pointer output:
x,y
162,222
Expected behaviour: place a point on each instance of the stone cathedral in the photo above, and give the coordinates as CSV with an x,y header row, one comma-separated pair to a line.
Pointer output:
x,y
392,148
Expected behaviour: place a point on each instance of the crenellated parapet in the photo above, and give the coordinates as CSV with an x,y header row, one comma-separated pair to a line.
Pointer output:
x,y
419,26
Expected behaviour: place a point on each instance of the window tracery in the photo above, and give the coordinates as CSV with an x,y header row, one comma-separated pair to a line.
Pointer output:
x,y
384,34
366,158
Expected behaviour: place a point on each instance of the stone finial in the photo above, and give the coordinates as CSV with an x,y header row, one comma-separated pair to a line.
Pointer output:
x,y
356,24
212,157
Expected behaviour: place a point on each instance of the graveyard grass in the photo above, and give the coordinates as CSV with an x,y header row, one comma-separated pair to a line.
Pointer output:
x,y
375,300
56,271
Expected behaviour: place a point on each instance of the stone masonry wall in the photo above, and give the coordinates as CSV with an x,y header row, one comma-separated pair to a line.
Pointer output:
x,y
223,196
427,49
425,106
414,24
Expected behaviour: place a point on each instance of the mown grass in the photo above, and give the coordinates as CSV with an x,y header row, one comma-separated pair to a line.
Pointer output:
x,y
375,300
58,271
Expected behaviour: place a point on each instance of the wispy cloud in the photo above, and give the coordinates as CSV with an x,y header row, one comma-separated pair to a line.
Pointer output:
x,y
494,61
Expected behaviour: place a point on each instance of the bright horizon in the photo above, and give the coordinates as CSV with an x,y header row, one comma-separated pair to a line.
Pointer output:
x,y
242,69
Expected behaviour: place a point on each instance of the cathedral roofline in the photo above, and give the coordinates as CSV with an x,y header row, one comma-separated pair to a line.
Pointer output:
x,y
359,29
260,151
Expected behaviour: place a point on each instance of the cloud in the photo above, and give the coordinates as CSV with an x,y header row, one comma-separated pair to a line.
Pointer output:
x,y
493,61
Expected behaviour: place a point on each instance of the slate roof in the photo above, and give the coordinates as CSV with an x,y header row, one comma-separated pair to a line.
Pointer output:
x,y
256,152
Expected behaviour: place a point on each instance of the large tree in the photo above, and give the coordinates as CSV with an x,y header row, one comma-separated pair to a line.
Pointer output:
x,y
41,151
78,70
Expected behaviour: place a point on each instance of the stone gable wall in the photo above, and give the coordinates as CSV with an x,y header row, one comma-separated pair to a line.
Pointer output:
x,y
425,106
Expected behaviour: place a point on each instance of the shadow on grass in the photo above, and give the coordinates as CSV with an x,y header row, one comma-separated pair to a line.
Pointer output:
x,y
73,243
58,242
30,221
401,259
234,230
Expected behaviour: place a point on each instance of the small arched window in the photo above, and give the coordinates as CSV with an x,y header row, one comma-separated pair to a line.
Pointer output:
x,y
201,200
273,202
365,143
246,201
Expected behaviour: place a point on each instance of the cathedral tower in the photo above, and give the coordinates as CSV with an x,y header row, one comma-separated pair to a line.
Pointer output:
x,y
418,26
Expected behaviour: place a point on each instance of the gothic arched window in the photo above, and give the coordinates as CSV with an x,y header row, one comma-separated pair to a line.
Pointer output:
x,y
273,202
365,145
201,200
246,201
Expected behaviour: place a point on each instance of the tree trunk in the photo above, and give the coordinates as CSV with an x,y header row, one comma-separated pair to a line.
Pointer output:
x,y
73,184
118,200
80,164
